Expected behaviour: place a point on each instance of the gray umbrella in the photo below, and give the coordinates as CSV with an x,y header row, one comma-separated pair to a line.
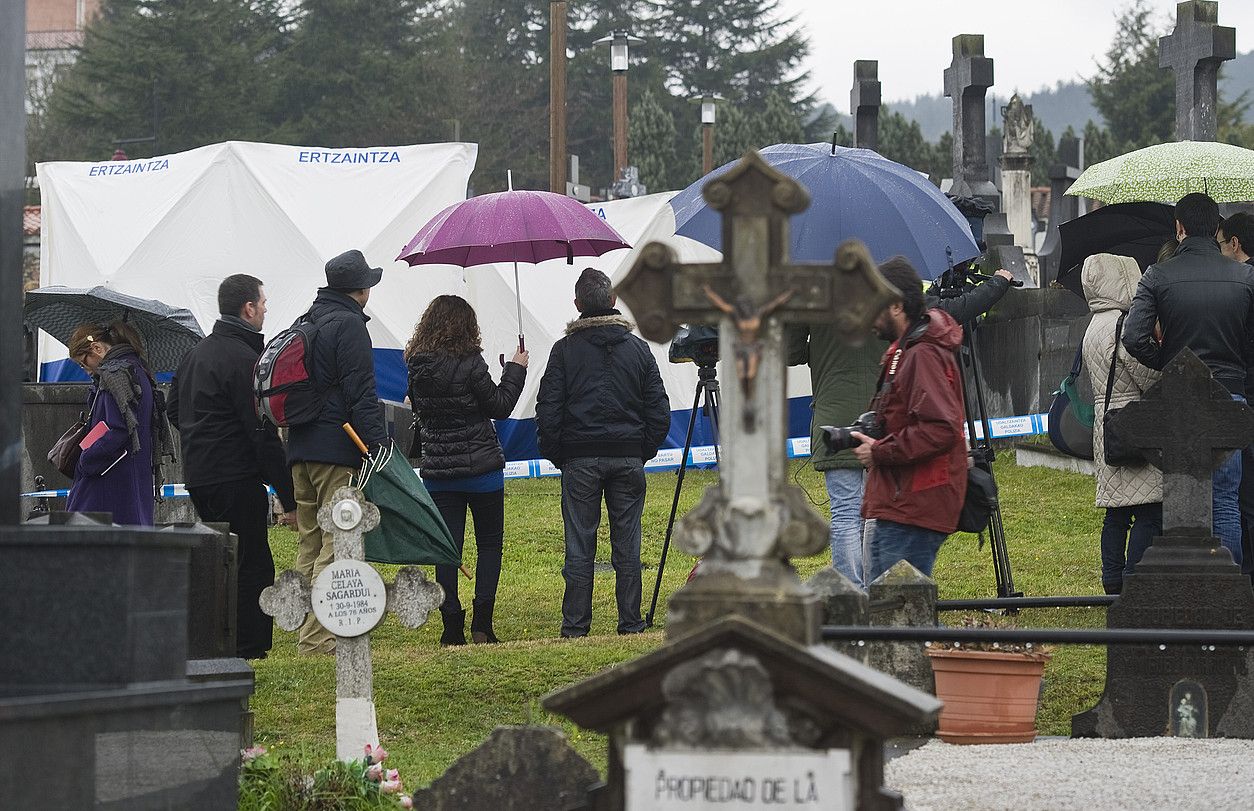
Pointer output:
x,y
168,332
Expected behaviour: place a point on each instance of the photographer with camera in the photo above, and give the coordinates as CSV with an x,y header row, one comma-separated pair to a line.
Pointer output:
x,y
912,443
842,381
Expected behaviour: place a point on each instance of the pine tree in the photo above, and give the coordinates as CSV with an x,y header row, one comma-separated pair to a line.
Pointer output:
x,y
652,139
1134,95
778,123
902,140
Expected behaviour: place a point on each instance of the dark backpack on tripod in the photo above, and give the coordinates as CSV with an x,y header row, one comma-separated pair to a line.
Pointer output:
x,y
981,498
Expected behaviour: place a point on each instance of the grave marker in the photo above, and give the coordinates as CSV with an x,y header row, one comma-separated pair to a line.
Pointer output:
x,y
864,103
967,79
1194,51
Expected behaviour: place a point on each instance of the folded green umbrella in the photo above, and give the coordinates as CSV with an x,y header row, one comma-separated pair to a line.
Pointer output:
x,y
411,530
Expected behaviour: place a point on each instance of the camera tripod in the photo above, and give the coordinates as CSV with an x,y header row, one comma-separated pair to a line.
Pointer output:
x,y
982,454
706,400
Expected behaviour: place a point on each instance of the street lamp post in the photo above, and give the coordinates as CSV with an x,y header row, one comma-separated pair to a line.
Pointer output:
x,y
709,111
619,42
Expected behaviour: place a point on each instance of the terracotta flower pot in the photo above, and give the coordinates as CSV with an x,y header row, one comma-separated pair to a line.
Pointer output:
x,y
990,696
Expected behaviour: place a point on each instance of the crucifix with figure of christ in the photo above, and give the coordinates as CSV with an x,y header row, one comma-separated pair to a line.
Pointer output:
x,y
747,526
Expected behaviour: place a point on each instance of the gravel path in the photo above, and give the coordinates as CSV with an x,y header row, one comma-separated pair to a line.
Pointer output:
x,y
1138,774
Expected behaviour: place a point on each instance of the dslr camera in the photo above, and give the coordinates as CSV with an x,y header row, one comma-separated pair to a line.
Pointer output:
x,y
841,439
695,344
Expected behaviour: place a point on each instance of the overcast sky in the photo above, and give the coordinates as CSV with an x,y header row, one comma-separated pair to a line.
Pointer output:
x,y
1032,44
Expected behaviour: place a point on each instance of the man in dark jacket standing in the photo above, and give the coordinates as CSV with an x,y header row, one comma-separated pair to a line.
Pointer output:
x,y
601,413
322,456
229,455
1205,302
1236,241
917,469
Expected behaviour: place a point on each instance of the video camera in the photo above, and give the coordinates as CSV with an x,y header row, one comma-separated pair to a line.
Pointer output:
x,y
695,344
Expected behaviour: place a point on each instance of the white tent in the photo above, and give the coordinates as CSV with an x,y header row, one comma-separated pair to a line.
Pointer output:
x,y
171,228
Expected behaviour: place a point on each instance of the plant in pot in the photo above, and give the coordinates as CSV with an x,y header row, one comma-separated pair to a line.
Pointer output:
x,y
989,690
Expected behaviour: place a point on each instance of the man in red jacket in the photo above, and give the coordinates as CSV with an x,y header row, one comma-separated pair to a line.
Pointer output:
x,y
917,467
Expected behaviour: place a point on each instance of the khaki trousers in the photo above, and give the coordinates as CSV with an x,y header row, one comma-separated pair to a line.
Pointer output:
x,y
314,483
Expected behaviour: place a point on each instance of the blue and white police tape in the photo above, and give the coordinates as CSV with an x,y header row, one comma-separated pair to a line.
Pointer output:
x,y
668,458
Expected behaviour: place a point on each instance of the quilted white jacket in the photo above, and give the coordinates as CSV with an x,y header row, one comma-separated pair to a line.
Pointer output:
x,y
1109,284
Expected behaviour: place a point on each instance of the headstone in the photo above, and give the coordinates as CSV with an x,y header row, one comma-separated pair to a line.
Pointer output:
x,y
1194,51
1018,129
516,769
843,604
741,705
903,597
864,104
1186,423
349,599
1062,208
747,526
967,79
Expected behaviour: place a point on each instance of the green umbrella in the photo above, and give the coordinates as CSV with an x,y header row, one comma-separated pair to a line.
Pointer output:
x,y
1164,173
411,530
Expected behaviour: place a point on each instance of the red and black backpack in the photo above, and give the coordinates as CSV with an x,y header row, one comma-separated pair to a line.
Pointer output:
x,y
283,386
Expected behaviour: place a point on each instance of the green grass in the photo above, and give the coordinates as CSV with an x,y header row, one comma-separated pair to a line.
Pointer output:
x,y
435,704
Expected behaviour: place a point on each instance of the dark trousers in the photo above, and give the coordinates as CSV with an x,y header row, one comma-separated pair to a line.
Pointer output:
x,y
1134,527
488,512
1245,499
892,541
620,480
245,506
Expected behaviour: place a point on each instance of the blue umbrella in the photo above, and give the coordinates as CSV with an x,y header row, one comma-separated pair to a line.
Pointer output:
x,y
854,194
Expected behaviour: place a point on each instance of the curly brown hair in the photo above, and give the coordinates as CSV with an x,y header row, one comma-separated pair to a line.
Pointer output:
x,y
448,326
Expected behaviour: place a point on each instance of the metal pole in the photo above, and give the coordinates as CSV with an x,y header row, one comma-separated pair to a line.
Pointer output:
x,y
1093,601
557,96
1206,637
12,176
620,123
707,149
518,299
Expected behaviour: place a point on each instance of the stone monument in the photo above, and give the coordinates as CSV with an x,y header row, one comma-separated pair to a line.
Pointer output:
x,y
349,599
1194,51
864,104
742,705
1016,177
1062,208
1186,424
967,79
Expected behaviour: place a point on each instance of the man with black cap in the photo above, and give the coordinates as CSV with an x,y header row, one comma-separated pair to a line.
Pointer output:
x,y
322,456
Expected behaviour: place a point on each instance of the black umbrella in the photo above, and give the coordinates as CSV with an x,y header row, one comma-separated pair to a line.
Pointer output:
x,y
168,332
1137,230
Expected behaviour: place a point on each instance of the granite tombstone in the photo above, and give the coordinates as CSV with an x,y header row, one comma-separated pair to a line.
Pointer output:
x,y
1194,51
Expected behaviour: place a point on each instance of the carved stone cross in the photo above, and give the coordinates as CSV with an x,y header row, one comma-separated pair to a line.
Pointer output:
x,y
1186,423
1195,50
864,101
967,79
349,599
754,518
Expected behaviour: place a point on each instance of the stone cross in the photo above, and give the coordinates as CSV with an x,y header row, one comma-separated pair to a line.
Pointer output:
x,y
350,599
967,78
864,103
1186,423
754,519
1195,50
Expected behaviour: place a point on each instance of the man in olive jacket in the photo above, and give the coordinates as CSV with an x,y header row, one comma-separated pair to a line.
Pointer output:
x,y
601,413
229,454
322,456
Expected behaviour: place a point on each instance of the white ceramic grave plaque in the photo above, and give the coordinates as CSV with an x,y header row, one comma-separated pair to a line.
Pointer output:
x,y
671,779
349,598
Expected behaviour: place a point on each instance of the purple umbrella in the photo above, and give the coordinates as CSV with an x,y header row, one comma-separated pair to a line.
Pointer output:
x,y
511,226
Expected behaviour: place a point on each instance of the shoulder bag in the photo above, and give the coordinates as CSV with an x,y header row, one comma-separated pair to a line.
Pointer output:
x,y
66,450
1116,451
1070,416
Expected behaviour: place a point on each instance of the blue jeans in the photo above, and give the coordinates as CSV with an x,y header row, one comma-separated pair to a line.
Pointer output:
x,y
844,489
1145,522
620,480
1226,518
893,542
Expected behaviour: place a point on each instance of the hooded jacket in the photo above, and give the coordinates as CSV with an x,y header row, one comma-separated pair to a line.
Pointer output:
x,y
455,401
343,364
1204,301
211,404
1109,283
918,474
601,393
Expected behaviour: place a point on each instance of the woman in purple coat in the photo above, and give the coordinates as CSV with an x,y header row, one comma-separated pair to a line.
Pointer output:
x,y
114,474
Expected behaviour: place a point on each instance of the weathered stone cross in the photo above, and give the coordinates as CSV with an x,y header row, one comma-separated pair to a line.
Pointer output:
x,y
864,101
1186,423
350,599
754,519
1195,51
967,79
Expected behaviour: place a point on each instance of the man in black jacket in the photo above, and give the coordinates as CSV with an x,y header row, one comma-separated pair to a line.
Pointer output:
x,y
601,413
1204,301
322,456
1236,241
229,455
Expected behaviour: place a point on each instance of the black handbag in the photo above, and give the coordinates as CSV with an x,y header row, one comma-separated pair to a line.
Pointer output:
x,y
1116,451
1070,416
980,501
67,449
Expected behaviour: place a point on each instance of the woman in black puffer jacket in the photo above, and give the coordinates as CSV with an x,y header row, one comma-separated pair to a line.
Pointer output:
x,y
455,400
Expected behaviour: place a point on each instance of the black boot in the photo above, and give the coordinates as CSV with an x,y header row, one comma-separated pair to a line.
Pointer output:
x,y
481,623
454,627
1113,588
